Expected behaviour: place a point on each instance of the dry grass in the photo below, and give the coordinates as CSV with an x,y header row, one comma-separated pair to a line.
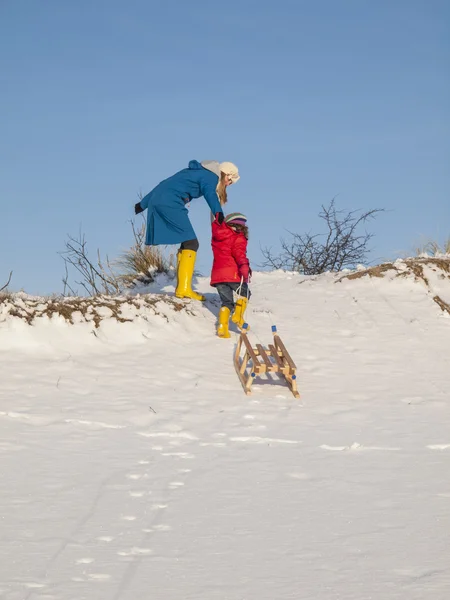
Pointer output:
x,y
140,262
377,271
445,307
433,248
414,266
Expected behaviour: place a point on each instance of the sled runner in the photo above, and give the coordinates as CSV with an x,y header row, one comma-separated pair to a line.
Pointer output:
x,y
260,360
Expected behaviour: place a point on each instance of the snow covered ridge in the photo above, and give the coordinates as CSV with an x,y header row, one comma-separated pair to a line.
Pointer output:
x,y
433,272
157,300
93,310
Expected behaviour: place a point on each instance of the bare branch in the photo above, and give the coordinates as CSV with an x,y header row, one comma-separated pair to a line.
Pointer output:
x,y
67,289
95,279
7,283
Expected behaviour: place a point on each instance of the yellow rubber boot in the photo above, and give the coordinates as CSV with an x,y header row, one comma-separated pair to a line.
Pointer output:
x,y
186,264
239,312
222,328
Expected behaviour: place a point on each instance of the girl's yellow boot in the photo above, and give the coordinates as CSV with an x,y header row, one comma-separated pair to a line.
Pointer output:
x,y
222,328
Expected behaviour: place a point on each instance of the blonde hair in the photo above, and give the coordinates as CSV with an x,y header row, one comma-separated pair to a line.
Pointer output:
x,y
221,190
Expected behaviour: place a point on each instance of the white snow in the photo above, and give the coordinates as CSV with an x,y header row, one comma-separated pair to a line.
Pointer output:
x,y
134,467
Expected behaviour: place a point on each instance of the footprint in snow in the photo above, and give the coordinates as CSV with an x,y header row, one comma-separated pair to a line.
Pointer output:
x,y
413,400
175,484
356,447
84,561
178,454
162,528
99,576
157,528
135,551
213,444
299,476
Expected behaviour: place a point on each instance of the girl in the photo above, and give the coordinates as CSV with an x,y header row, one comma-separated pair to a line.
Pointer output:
x,y
231,269
167,215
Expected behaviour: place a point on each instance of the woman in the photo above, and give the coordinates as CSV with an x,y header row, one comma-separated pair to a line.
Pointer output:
x,y
167,215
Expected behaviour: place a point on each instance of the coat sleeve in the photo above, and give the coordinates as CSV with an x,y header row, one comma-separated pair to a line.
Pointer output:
x,y
144,201
211,197
239,251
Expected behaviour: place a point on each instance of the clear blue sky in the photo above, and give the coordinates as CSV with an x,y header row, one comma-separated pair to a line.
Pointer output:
x,y
101,99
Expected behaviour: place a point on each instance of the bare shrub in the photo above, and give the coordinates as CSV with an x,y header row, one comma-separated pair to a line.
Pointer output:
x,y
96,277
138,264
340,247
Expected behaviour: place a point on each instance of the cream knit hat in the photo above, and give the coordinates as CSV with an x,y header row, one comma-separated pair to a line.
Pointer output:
x,y
231,170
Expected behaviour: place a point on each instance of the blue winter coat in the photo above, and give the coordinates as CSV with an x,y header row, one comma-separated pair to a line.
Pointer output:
x,y
167,215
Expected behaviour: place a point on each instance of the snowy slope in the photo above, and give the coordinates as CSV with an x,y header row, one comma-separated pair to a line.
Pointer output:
x,y
134,467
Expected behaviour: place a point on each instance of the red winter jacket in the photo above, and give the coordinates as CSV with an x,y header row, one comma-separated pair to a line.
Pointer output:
x,y
230,255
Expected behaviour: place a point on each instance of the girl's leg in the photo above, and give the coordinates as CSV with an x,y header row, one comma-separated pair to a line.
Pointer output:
x,y
225,292
238,316
226,297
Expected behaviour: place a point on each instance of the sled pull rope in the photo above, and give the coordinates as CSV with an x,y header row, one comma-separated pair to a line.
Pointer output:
x,y
238,291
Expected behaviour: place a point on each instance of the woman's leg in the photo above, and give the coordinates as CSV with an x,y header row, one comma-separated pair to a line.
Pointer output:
x,y
190,245
186,264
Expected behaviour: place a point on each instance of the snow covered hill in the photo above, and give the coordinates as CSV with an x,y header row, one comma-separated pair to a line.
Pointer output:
x,y
134,466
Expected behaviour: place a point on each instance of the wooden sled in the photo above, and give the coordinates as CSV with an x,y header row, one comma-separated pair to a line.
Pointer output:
x,y
258,361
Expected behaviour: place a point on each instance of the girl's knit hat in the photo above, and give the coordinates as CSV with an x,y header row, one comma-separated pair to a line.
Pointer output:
x,y
236,219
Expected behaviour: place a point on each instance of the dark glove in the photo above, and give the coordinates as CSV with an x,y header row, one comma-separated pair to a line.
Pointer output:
x,y
138,208
220,218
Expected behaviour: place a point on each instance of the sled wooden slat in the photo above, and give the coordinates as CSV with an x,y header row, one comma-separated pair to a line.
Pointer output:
x,y
241,366
274,353
251,363
270,367
281,347
251,352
